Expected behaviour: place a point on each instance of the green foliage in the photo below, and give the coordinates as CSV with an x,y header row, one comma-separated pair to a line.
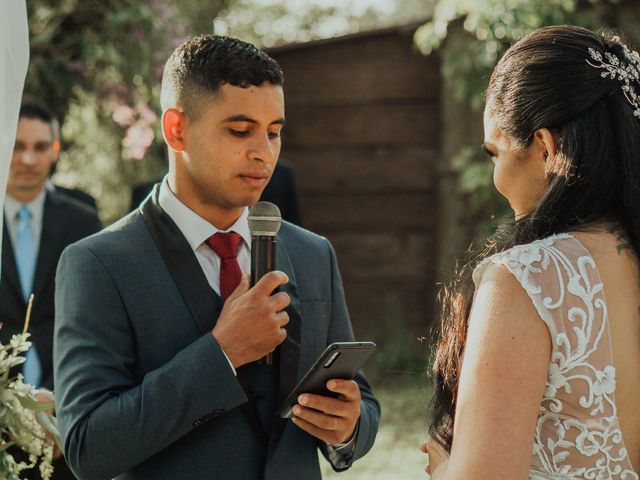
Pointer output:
x,y
98,65
400,357
274,22
491,26
97,160
91,46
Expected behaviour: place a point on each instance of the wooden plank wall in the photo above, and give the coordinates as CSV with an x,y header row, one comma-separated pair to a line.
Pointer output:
x,y
363,136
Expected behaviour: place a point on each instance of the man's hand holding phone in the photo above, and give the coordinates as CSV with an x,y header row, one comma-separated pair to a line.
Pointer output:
x,y
326,402
332,420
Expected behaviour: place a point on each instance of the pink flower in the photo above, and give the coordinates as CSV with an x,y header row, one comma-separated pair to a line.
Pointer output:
x,y
146,113
123,115
138,139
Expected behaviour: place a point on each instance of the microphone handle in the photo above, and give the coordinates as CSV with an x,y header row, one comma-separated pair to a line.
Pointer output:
x,y
263,260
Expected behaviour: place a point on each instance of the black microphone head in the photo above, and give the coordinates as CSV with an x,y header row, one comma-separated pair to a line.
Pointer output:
x,y
264,219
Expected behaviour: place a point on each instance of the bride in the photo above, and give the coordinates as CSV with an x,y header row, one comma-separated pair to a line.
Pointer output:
x,y
537,368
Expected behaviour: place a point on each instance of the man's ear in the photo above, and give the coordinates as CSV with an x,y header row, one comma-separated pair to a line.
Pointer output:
x,y
173,121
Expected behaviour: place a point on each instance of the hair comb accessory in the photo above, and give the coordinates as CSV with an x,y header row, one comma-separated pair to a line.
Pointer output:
x,y
626,71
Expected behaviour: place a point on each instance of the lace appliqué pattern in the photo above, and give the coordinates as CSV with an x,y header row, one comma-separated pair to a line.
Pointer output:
x,y
577,432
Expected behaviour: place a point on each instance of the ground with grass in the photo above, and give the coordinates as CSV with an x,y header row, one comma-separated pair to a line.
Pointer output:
x,y
395,455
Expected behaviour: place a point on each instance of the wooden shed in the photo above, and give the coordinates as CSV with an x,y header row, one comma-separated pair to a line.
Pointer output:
x,y
363,138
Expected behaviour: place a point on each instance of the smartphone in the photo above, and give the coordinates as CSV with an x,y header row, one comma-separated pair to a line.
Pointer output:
x,y
339,360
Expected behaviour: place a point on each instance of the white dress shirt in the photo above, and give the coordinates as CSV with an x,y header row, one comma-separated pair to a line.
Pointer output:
x,y
197,230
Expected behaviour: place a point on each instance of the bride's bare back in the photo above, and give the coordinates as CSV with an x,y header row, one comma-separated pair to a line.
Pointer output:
x,y
618,267
588,297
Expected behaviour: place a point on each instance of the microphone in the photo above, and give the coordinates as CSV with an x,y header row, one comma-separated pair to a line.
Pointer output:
x,y
264,222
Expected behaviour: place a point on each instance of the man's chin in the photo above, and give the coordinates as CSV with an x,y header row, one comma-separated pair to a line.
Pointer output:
x,y
27,188
249,200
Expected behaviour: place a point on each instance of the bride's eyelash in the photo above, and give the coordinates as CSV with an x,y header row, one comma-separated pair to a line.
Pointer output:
x,y
486,151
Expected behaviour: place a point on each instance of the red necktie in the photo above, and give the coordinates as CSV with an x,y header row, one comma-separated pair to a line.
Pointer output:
x,y
226,247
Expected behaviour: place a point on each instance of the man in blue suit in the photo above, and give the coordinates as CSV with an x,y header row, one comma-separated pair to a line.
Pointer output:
x,y
159,337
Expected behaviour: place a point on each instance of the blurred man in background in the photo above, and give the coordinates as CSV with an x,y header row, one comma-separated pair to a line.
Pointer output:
x,y
39,223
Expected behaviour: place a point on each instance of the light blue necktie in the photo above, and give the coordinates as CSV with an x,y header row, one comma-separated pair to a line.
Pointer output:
x,y
25,251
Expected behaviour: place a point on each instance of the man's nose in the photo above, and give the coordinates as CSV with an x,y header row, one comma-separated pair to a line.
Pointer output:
x,y
264,149
28,157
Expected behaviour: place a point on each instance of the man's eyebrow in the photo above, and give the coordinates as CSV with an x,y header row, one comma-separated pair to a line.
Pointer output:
x,y
244,118
239,118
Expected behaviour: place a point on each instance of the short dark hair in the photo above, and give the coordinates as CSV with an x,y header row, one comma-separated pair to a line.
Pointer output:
x,y
31,108
201,65
36,109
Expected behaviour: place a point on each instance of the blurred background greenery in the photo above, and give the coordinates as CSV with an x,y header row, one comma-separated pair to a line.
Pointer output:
x,y
98,65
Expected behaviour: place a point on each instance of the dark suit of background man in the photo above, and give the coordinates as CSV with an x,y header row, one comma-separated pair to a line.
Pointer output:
x,y
158,340
39,223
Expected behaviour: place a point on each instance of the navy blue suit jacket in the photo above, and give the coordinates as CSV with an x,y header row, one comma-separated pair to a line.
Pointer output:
x,y
144,391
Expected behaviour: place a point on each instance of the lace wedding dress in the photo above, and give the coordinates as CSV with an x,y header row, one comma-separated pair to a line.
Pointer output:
x,y
577,432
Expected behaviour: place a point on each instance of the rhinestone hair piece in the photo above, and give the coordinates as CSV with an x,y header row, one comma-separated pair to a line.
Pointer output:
x,y
625,71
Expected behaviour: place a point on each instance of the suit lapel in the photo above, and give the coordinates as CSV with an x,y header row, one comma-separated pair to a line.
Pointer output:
x,y
54,220
201,300
9,268
289,351
205,305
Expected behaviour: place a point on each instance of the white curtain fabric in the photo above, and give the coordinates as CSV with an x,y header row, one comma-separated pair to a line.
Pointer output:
x,y
14,59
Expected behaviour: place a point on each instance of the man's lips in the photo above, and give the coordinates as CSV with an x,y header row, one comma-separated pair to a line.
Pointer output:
x,y
255,179
28,173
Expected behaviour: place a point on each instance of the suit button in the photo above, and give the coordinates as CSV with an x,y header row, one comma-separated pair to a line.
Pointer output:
x,y
217,412
198,422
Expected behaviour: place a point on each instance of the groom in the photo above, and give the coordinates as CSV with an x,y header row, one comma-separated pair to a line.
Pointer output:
x,y
158,335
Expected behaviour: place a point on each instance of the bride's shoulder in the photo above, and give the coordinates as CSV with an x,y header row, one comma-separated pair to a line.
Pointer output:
x,y
533,256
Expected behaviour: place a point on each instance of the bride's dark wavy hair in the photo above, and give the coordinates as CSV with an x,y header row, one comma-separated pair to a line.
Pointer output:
x,y
544,81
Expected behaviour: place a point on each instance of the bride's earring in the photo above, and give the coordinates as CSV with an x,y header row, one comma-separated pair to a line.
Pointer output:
x,y
547,166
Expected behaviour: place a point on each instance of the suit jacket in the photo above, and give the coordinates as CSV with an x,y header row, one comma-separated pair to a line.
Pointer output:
x,y
144,390
79,195
282,191
64,221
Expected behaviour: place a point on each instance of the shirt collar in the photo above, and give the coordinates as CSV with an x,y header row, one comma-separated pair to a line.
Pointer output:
x,y
35,206
195,228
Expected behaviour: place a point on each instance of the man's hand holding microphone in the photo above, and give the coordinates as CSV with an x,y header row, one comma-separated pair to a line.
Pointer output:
x,y
252,321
